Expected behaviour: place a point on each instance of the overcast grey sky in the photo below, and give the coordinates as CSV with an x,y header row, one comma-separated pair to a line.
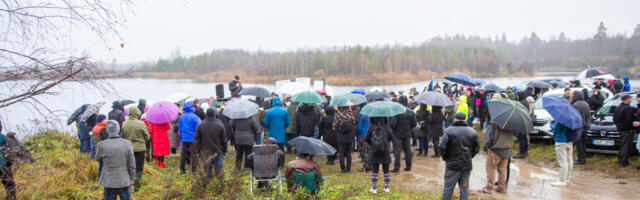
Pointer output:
x,y
198,26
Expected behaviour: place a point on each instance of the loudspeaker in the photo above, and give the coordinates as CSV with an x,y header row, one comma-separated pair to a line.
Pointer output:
x,y
219,91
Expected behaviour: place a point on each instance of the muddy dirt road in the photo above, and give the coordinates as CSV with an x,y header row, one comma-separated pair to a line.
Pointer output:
x,y
526,181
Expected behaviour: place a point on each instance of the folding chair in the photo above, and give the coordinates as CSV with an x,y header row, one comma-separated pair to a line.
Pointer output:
x,y
265,167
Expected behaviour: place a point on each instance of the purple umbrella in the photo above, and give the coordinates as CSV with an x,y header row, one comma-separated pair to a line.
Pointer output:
x,y
162,112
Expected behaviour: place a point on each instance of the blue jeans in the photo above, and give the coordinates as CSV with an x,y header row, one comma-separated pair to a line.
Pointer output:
x,y
85,139
113,193
215,163
93,148
423,145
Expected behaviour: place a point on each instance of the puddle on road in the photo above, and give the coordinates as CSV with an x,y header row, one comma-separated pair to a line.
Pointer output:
x,y
526,181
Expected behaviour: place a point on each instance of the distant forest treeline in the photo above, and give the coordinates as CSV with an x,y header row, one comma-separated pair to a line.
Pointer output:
x,y
482,56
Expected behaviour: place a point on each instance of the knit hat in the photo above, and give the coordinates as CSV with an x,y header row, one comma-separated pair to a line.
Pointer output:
x,y
460,115
113,129
101,117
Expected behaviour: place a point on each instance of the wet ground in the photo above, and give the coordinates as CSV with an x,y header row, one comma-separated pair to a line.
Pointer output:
x,y
526,181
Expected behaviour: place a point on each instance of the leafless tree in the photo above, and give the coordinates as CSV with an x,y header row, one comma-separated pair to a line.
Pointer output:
x,y
33,56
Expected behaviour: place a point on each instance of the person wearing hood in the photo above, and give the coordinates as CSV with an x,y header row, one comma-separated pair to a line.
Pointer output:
x,y
402,124
5,168
160,142
211,143
458,146
117,113
98,133
142,104
119,170
277,120
627,85
243,133
306,119
290,132
136,131
187,123
363,148
618,85
463,107
328,135
585,113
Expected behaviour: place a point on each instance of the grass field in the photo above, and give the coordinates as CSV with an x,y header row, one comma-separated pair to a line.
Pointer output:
x,y
61,172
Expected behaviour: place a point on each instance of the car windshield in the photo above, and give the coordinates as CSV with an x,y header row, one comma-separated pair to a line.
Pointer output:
x,y
609,107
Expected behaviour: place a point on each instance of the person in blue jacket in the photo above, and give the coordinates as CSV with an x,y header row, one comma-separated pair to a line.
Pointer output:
x,y
187,124
564,152
276,120
627,85
363,147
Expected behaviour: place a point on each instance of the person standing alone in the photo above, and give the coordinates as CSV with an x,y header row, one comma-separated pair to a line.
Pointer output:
x,y
458,146
235,86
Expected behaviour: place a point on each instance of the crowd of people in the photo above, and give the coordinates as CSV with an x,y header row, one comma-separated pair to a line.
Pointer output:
x,y
123,140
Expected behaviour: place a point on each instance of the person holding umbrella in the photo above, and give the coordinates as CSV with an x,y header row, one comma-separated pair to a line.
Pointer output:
x,y
566,126
159,116
378,138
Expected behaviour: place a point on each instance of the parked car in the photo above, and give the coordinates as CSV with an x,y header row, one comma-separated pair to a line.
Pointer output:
x,y
602,136
541,127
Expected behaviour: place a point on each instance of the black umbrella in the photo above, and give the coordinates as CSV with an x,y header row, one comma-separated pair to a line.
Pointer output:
x,y
256,91
126,102
311,146
76,113
375,95
595,72
491,87
461,78
510,115
539,84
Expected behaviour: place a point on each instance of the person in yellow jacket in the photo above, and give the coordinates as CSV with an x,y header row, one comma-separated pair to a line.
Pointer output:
x,y
463,107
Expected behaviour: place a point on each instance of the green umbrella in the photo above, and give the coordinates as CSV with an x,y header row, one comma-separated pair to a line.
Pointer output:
x,y
383,109
307,97
348,100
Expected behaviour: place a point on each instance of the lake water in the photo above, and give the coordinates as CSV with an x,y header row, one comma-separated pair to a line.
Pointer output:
x,y
23,120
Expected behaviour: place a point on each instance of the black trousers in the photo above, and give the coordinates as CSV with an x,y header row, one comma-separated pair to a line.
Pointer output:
x,y
139,158
580,147
400,145
185,157
9,183
435,141
626,147
376,168
242,152
523,143
345,151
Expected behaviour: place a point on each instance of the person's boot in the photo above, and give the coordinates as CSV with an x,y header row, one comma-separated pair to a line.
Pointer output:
x,y
520,156
579,162
406,169
364,170
419,153
161,164
395,170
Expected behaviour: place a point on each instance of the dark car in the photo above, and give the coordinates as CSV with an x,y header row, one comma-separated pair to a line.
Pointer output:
x,y
602,136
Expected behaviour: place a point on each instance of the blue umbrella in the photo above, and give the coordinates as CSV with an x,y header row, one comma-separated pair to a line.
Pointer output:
x,y
461,78
562,112
358,91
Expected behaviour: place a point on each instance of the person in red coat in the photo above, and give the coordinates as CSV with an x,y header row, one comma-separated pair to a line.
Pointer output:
x,y
160,142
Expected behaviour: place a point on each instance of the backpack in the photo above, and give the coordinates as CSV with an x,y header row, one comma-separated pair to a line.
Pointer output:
x,y
378,143
346,126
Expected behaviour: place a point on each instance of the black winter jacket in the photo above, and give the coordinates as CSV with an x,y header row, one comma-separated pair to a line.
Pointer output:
x,y
306,119
211,137
624,117
117,113
435,122
583,108
458,146
403,124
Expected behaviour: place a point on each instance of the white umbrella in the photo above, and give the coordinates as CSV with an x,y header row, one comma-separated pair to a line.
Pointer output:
x,y
293,88
176,97
373,89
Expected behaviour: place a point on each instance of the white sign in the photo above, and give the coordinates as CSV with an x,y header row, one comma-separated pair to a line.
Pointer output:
x,y
281,83
304,80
